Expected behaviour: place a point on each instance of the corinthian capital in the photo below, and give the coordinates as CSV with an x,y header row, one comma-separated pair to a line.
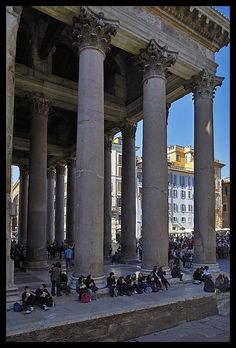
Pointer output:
x,y
129,128
155,60
204,84
39,103
90,29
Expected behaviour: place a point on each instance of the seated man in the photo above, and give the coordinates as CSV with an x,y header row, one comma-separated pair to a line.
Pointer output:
x,y
28,299
42,297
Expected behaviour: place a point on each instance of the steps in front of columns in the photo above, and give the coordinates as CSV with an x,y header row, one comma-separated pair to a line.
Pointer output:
x,y
111,319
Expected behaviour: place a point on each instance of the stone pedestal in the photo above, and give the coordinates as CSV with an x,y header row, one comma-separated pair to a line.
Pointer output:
x,y
107,195
23,205
204,181
70,209
59,213
154,61
50,206
92,43
37,206
128,208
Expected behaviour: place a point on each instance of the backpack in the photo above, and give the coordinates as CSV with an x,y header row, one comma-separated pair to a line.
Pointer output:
x,y
17,307
148,290
85,298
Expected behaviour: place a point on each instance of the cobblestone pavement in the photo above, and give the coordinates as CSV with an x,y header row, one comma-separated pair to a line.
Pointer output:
x,y
211,329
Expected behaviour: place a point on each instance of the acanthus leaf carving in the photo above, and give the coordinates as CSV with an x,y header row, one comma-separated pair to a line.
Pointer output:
x,y
92,30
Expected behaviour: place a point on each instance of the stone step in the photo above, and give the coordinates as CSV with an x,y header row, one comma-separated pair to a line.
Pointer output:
x,y
119,325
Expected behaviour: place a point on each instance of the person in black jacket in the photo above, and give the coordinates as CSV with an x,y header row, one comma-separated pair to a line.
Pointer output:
x,y
141,283
209,285
176,273
111,284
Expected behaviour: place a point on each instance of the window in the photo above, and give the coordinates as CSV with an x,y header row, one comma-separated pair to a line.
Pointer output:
x,y
182,181
119,219
226,191
190,208
183,219
169,206
175,219
65,202
189,181
183,208
183,194
174,180
178,158
118,201
186,158
189,194
224,207
175,208
119,187
119,171
169,193
119,160
175,193
189,219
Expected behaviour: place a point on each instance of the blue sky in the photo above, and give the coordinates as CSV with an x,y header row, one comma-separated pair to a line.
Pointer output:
x,y
180,124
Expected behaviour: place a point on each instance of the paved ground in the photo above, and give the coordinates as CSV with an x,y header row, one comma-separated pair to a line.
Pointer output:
x,y
68,308
211,329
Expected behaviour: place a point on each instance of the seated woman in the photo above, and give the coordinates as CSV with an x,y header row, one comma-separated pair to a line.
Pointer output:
x,y
226,282
81,286
130,283
141,283
28,299
153,282
161,273
219,283
42,297
122,287
91,286
197,276
111,284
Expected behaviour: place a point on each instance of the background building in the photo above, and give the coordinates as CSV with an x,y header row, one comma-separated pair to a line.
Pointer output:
x,y
226,202
180,192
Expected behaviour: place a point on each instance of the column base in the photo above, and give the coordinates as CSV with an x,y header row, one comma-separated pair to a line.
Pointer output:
x,y
37,265
213,267
12,296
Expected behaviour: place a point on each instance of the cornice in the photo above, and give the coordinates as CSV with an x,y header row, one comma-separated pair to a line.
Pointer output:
x,y
203,22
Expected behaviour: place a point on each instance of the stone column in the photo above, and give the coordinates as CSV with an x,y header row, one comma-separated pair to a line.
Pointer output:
x,y
13,14
59,213
50,206
23,204
155,60
92,38
107,195
70,209
204,86
128,192
37,204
